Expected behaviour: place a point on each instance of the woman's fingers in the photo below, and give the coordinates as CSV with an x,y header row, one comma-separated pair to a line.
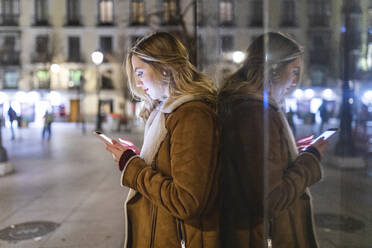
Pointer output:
x,y
321,145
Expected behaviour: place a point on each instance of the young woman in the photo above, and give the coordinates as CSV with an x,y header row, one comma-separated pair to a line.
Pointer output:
x,y
266,201
173,182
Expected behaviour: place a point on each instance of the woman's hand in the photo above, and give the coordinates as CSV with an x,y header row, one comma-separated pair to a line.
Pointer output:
x,y
321,145
303,142
117,149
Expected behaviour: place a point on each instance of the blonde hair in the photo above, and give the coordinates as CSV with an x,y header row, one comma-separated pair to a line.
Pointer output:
x,y
267,56
170,60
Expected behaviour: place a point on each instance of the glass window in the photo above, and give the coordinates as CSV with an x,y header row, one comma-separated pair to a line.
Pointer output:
x,y
9,12
42,44
170,12
288,13
43,79
137,12
256,13
105,44
226,12
106,11
41,12
75,78
227,43
74,49
319,12
73,12
11,79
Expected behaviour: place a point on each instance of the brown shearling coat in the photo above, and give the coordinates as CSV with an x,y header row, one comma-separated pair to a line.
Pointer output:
x,y
265,191
181,184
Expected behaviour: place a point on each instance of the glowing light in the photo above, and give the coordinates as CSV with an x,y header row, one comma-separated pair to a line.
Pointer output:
x,y
328,94
309,93
21,96
3,97
55,98
351,100
33,97
298,93
315,104
55,68
238,57
97,57
367,97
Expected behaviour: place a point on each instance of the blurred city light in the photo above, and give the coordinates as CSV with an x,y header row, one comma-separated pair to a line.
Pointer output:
x,y
238,57
55,68
351,100
97,57
3,97
367,97
21,96
33,97
309,93
298,93
315,104
55,98
328,95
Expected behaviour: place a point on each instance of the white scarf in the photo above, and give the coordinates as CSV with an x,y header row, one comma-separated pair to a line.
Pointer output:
x,y
155,132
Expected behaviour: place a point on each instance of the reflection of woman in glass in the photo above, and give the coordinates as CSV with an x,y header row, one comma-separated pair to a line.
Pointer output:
x,y
265,180
172,197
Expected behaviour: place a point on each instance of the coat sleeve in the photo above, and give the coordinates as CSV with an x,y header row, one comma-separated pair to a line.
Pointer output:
x,y
263,162
193,159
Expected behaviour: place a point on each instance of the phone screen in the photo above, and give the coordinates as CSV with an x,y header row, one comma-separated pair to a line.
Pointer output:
x,y
102,136
326,135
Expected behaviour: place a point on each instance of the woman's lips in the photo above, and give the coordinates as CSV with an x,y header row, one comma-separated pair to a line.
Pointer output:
x,y
146,90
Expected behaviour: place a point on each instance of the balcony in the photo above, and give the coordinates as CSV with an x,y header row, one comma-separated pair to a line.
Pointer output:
x,y
75,58
74,21
9,20
42,57
318,21
9,58
41,21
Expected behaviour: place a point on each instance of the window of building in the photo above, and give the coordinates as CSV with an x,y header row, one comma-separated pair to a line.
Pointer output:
x,y
107,82
226,12
319,12
137,12
256,13
106,12
41,12
73,12
105,44
74,49
11,80
41,48
171,12
227,43
43,79
288,15
9,12
75,77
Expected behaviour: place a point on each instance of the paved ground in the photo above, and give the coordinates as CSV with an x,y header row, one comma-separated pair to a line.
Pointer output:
x,y
72,181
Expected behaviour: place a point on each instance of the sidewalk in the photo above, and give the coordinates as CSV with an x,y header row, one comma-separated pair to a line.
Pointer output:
x,y
71,181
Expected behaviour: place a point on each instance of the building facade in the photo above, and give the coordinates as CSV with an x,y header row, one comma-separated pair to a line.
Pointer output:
x,y
46,45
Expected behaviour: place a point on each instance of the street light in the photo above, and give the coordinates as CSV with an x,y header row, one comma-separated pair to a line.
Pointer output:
x,y
97,58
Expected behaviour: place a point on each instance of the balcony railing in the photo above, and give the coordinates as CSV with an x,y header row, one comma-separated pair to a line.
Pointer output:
x,y
10,58
74,20
75,58
44,57
41,21
9,20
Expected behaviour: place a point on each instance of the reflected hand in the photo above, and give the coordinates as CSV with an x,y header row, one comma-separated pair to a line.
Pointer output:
x,y
117,149
321,145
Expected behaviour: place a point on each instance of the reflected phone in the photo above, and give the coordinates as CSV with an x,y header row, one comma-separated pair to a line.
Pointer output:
x,y
326,134
102,137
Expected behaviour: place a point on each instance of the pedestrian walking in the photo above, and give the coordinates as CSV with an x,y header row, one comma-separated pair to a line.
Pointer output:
x,y
173,182
12,117
324,115
48,120
265,180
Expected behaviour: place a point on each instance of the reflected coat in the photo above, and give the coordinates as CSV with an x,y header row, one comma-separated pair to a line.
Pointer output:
x,y
265,187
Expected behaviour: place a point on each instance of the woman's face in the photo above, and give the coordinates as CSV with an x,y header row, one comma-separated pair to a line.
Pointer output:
x,y
146,78
288,79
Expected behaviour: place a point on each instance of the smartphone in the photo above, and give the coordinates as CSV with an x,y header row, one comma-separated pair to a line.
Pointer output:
x,y
326,135
102,137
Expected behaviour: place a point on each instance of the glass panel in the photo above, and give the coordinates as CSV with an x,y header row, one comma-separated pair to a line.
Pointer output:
x,y
75,78
106,11
74,49
11,79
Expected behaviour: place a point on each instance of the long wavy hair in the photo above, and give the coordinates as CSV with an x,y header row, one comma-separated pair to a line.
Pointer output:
x,y
267,57
170,60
